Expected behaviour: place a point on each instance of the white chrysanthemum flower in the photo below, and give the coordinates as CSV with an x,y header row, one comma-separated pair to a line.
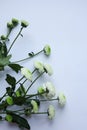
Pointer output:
x,y
35,106
39,66
47,50
49,89
48,69
51,112
27,73
61,99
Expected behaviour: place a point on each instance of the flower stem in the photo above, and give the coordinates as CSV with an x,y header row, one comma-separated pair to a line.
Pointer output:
x,y
15,40
40,113
19,80
3,96
34,81
44,100
33,95
29,57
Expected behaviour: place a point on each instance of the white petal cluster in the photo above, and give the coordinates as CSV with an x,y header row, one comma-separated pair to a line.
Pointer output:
x,y
49,89
51,112
43,67
48,69
61,99
27,73
39,66
35,106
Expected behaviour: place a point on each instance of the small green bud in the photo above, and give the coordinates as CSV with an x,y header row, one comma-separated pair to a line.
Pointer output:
x,y
18,93
40,90
15,21
47,50
10,100
8,118
24,23
10,25
3,37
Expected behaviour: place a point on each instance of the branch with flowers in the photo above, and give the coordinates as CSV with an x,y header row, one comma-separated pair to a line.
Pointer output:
x,y
16,92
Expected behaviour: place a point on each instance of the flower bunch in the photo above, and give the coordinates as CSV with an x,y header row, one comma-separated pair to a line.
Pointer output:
x,y
17,93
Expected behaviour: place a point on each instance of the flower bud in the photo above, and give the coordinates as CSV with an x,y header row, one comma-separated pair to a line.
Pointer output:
x,y
8,118
10,25
3,37
40,90
24,23
15,21
47,50
9,100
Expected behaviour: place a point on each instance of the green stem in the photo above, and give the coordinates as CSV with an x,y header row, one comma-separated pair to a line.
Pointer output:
x,y
40,113
33,95
3,96
48,100
8,33
29,57
34,81
26,79
15,39
19,80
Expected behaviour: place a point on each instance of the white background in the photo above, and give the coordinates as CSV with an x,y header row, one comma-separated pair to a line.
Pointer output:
x,y
63,25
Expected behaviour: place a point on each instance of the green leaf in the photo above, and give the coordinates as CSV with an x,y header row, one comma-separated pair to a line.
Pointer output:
x,y
3,105
22,122
9,91
15,67
0,118
5,60
11,81
1,68
19,100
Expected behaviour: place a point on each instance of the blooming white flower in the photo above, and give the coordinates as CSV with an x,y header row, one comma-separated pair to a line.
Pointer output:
x,y
61,99
49,89
39,66
51,112
47,50
48,69
35,106
27,73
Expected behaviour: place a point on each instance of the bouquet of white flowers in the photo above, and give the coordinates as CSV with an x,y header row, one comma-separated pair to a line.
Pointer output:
x,y
17,93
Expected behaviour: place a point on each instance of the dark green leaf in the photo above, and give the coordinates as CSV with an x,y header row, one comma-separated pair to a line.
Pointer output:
x,y
21,89
15,67
11,80
3,105
1,68
9,91
22,122
0,117
19,100
5,60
